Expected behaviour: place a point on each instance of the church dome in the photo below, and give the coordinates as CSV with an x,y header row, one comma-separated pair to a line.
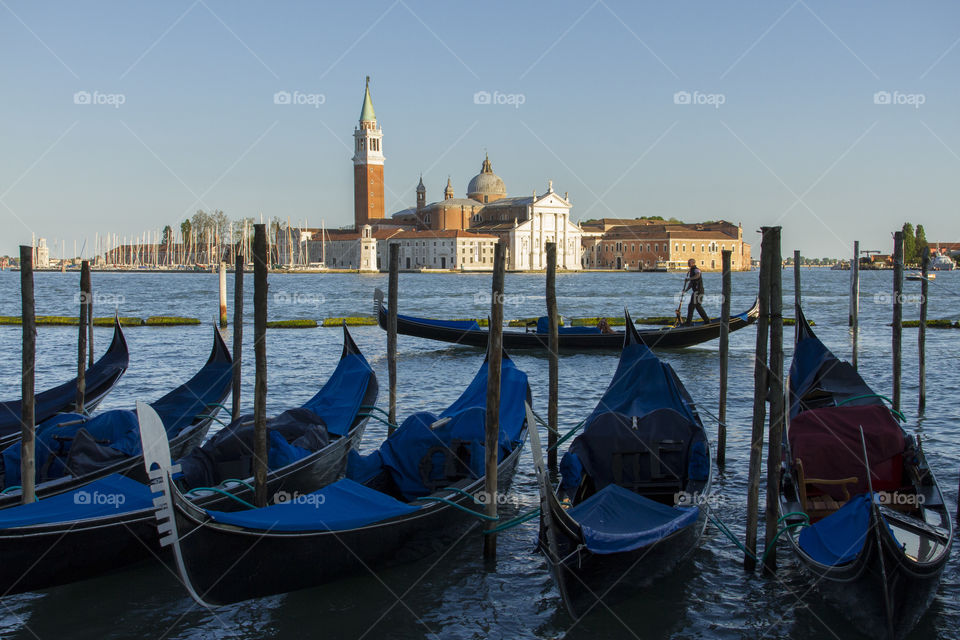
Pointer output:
x,y
486,186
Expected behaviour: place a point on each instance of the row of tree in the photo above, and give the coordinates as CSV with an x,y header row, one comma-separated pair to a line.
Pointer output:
x,y
914,243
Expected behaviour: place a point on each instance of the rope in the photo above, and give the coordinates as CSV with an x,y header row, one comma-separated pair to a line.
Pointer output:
x,y
773,543
567,435
222,492
463,493
214,404
379,419
461,507
222,423
369,407
241,482
874,395
36,498
512,523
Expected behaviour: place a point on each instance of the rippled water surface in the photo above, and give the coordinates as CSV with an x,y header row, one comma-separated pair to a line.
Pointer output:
x,y
456,596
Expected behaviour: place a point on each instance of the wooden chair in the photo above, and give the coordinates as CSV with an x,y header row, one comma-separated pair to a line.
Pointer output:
x,y
820,505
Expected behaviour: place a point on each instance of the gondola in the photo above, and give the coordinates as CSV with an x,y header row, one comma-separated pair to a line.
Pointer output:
x,y
630,506
111,523
98,379
468,332
412,496
73,450
874,544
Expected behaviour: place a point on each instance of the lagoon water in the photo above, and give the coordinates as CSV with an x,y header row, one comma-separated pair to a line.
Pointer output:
x,y
455,595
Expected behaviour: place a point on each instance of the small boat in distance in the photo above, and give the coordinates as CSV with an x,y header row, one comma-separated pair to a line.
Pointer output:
x,y
917,276
942,263
468,332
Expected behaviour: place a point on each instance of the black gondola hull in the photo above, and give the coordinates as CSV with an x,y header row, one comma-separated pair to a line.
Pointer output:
x,y
226,564
662,338
586,579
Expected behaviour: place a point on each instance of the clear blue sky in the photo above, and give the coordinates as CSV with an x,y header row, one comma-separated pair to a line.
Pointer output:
x,y
798,140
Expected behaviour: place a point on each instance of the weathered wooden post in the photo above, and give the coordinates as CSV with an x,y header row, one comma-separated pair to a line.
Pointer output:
x,y
922,334
223,294
27,431
797,294
260,354
553,345
393,292
494,362
760,386
89,315
775,386
82,337
897,315
237,330
855,300
724,355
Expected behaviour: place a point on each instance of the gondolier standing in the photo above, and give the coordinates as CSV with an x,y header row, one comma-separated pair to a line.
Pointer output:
x,y
694,283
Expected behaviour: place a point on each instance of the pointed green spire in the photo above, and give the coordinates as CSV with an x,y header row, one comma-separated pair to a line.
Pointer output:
x,y
367,114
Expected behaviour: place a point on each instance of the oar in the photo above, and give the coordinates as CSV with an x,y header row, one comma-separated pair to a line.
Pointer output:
x,y
680,304
875,516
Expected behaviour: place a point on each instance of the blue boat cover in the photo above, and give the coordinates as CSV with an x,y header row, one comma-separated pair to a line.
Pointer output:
x,y
105,497
343,505
643,383
463,325
543,326
338,401
421,459
816,367
838,538
615,520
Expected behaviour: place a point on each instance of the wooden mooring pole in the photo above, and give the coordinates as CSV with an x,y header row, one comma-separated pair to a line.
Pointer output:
x,y
855,300
223,294
724,356
393,292
494,363
237,330
82,337
89,314
260,354
897,316
760,386
27,431
553,344
775,394
922,334
797,293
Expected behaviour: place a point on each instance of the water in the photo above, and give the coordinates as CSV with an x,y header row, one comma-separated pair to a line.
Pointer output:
x,y
454,595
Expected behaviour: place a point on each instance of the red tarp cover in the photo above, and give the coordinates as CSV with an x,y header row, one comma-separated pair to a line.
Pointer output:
x,y
827,440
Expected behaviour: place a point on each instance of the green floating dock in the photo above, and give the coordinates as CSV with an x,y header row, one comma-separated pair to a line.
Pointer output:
x,y
302,323
357,321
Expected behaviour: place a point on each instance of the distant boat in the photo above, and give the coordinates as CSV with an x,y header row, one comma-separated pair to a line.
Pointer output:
x,y
942,263
840,266
916,275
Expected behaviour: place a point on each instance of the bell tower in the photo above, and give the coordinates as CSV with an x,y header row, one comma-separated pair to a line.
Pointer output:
x,y
368,205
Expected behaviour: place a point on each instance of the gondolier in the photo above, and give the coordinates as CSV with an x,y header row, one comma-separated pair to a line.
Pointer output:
x,y
694,283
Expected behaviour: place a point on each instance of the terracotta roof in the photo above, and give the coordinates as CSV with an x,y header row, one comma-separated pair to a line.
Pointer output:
x,y
450,233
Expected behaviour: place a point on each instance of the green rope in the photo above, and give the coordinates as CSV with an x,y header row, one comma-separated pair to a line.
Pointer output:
x,y
463,493
512,523
378,418
214,404
874,395
770,547
368,406
567,435
213,418
36,498
461,507
222,492
241,482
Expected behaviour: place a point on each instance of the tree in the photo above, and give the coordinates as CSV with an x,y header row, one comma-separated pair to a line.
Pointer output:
x,y
167,238
186,228
909,244
921,242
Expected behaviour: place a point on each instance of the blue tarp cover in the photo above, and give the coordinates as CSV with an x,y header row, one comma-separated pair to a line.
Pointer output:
x,y
814,366
615,520
343,505
543,326
838,538
107,496
463,325
402,453
339,400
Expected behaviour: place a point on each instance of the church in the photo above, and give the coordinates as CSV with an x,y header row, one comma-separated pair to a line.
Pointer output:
x,y
452,233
